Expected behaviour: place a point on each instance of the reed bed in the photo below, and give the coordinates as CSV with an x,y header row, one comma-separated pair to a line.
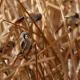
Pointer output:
x,y
50,50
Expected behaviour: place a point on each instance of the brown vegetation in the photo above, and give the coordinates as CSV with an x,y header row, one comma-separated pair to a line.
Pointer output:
x,y
39,40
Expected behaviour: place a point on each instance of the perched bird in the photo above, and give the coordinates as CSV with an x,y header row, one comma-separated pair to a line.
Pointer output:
x,y
72,22
72,19
24,41
35,16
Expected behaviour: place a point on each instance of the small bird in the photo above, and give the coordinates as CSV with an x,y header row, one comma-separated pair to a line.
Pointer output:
x,y
24,41
37,16
73,19
72,22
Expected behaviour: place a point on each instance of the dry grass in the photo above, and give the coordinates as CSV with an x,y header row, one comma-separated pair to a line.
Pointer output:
x,y
53,51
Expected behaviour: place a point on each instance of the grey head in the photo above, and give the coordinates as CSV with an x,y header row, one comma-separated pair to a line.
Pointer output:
x,y
24,35
24,40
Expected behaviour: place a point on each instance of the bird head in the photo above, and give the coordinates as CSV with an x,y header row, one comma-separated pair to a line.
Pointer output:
x,y
24,35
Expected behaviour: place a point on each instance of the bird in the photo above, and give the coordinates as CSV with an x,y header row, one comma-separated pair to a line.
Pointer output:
x,y
25,44
72,19
37,16
25,41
